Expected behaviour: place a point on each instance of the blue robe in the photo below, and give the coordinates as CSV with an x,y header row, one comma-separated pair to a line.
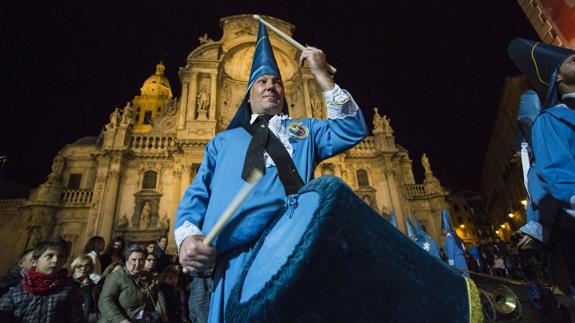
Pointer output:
x,y
455,254
553,138
219,179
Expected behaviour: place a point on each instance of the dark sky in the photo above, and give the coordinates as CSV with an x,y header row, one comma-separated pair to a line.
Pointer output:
x,y
435,67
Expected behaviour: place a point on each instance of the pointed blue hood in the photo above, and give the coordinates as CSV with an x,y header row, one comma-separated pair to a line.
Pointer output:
x,y
264,63
392,219
410,230
539,62
446,222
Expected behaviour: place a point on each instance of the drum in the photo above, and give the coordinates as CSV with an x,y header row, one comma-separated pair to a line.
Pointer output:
x,y
331,258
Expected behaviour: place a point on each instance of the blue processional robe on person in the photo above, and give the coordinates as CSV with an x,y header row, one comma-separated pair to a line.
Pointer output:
x,y
554,145
454,250
219,179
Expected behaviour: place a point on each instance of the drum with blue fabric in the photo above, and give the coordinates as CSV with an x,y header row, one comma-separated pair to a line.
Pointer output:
x,y
331,258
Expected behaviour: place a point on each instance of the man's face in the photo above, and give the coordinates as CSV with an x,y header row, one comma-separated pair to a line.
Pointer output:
x,y
163,243
151,247
150,262
50,262
267,95
135,263
566,73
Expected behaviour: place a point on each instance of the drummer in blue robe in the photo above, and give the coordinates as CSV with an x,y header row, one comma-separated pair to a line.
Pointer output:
x,y
551,71
453,245
231,155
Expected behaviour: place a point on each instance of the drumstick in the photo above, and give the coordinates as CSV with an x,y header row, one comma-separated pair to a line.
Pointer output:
x,y
254,178
288,39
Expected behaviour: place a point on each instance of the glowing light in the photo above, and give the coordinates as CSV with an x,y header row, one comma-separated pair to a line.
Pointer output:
x,y
462,226
503,226
524,202
511,215
497,231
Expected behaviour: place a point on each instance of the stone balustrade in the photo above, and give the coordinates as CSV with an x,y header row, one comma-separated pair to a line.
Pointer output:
x,y
152,144
11,204
77,196
415,190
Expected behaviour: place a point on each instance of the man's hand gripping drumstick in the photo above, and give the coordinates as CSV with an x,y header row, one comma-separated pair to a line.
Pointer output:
x,y
196,253
290,40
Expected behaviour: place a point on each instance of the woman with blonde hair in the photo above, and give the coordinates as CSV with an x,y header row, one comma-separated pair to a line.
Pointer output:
x,y
82,267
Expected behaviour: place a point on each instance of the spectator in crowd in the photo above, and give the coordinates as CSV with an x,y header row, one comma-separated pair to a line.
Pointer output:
x,y
151,247
94,248
17,272
150,266
499,266
163,258
46,294
175,299
114,252
129,294
82,267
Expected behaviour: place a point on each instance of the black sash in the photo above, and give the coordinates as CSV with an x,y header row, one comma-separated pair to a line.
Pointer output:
x,y
287,171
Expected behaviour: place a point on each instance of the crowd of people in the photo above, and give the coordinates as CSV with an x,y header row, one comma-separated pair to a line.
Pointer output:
x,y
135,283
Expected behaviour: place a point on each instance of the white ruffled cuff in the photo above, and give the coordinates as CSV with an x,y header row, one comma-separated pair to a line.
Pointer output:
x,y
339,103
185,230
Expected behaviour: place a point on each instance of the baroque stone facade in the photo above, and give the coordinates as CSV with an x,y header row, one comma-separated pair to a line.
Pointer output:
x,y
130,179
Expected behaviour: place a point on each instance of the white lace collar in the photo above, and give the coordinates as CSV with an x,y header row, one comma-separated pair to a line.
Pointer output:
x,y
276,125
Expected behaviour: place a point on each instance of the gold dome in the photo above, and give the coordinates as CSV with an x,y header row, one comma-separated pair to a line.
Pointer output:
x,y
157,84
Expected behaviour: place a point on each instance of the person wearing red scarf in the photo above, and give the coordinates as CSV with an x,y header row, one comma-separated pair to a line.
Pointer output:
x,y
46,294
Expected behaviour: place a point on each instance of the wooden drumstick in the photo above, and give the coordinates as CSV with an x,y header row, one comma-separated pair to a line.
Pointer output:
x,y
254,178
290,40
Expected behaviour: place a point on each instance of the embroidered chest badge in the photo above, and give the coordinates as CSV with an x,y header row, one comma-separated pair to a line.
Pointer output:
x,y
298,130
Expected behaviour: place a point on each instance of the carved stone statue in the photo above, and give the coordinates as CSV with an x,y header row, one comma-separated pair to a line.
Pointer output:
x,y
170,107
203,100
115,119
127,115
146,215
425,163
58,164
378,126
34,237
123,222
386,126
317,107
205,39
165,222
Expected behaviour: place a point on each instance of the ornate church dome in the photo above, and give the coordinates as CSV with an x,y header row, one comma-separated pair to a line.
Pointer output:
x,y
157,84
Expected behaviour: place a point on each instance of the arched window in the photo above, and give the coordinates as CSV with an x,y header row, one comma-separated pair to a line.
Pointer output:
x,y
149,180
362,178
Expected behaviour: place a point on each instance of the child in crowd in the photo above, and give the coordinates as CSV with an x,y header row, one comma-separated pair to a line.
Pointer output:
x,y
46,293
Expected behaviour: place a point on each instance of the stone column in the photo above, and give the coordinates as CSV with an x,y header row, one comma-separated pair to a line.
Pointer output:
x,y
185,179
108,210
395,199
213,95
191,114
183,105
306,95
176,198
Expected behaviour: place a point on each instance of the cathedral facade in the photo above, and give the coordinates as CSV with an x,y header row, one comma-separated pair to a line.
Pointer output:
x,y
129,180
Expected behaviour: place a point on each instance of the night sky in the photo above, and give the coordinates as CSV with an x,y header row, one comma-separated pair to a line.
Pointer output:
x,y
436,68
